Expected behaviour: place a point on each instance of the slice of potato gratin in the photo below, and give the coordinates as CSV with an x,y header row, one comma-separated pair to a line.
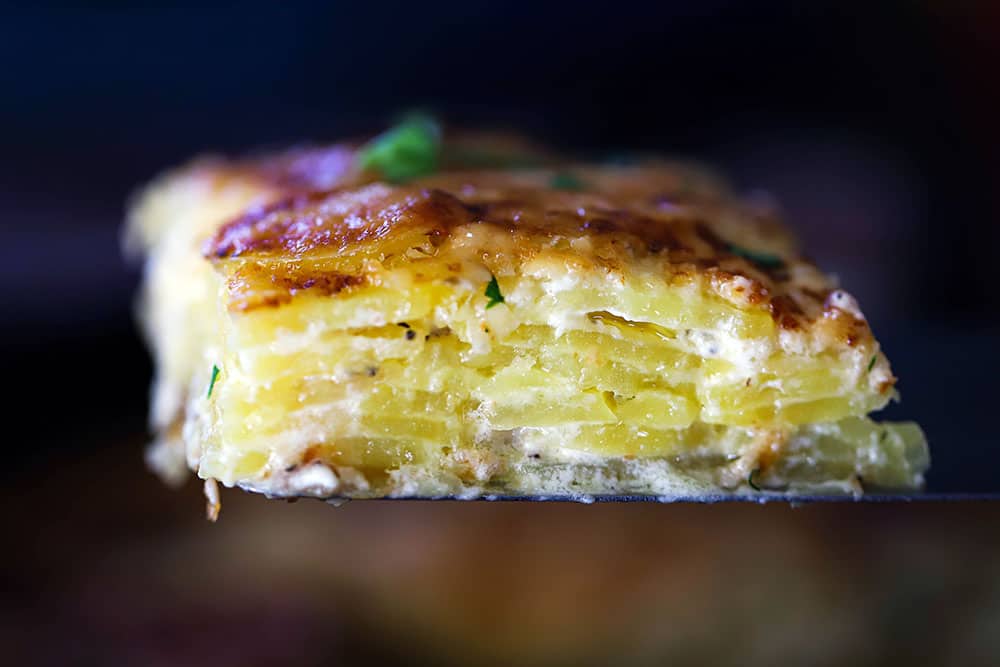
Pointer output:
x,y
469,317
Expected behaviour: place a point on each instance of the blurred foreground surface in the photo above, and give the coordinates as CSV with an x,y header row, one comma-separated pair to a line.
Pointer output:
x,y
111,568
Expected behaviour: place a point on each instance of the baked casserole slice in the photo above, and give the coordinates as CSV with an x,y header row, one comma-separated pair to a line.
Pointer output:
x,y
388,319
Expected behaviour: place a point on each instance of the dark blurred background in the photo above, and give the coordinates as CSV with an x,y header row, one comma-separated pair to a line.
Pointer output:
x,y
873,123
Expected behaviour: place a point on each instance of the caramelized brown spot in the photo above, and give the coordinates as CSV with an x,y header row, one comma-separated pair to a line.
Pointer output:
x,y
257,229
772,444
325,284
758,294
855,331
786,312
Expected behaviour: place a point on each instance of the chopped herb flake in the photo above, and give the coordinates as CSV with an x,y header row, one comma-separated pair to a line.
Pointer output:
x,y
410,149
211,383
871,364
493,293
761,259
750,479
566,181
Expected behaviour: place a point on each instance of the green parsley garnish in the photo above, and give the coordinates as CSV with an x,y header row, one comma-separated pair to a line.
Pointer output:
x,y
211,383
750,479
410,149
493,293
871,364
762,259
565,181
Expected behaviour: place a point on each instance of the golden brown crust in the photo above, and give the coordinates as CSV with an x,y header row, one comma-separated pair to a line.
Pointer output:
x,y
334,222
628,202
683,223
